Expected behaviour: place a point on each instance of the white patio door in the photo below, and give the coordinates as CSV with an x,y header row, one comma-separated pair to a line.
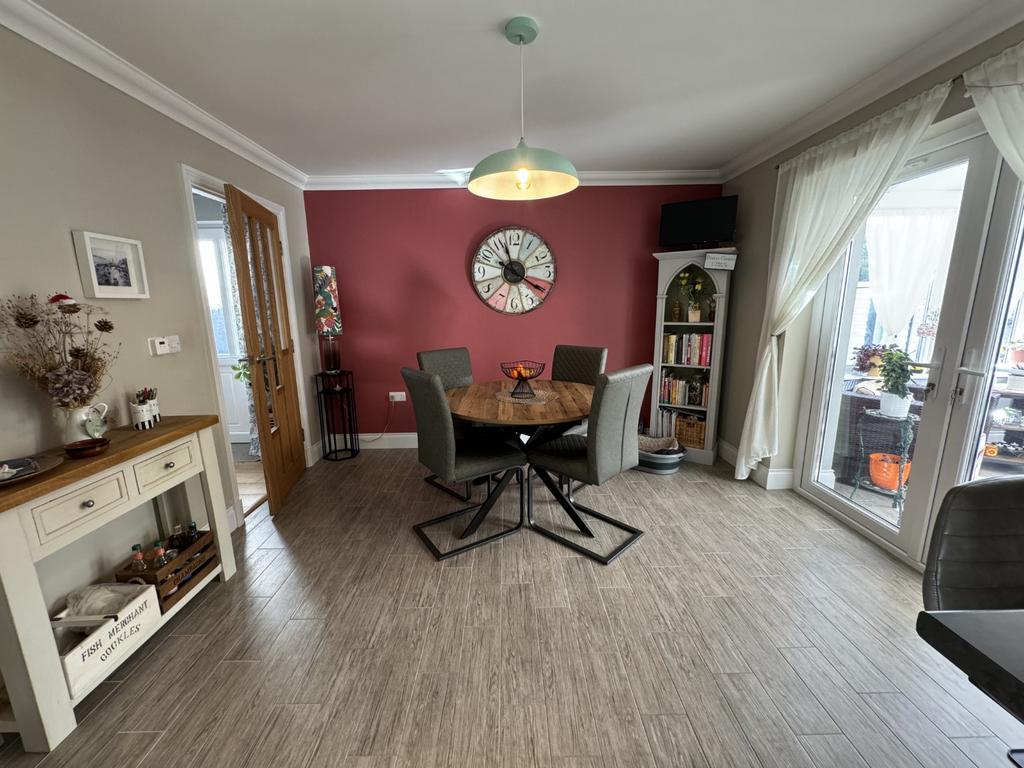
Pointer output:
x,y
985,434
908,281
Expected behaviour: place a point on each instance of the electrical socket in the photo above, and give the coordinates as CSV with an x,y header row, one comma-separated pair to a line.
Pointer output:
x,y
396,397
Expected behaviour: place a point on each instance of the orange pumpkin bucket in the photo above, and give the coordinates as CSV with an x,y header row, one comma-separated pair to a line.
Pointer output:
x,y
884,469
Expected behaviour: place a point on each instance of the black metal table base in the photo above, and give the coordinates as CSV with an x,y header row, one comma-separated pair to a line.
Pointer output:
x,y
572,508
482,511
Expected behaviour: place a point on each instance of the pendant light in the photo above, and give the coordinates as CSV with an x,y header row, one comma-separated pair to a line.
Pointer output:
x,y
523,173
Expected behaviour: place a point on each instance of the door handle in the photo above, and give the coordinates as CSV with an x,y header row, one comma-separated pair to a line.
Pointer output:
x,y
972,372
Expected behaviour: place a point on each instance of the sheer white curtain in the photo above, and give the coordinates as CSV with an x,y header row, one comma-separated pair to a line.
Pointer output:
x,y
823,196
907,248
995,86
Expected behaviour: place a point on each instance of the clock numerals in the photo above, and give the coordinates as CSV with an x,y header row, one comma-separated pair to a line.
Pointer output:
x,y
482,271
514,305
487,256
543,271
486,289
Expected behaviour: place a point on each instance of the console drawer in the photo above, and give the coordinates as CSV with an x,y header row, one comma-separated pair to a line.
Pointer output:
x,y
167,466
60,515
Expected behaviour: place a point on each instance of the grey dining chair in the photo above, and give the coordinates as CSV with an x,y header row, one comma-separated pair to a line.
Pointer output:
x,y
582,365
454,368
976,557
609,449
460,460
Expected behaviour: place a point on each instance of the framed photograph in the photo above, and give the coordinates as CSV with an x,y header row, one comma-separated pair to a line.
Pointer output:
x,y
111,267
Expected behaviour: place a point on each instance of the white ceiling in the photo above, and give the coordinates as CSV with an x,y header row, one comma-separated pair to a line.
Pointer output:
x,y
414,86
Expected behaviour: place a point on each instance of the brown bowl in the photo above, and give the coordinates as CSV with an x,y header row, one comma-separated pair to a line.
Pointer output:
x,y
84,449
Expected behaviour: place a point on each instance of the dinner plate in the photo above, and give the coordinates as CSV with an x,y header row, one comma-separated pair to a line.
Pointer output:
x,y
29,466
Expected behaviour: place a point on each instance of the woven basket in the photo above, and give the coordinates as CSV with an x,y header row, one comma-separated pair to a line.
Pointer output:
x,y
690,431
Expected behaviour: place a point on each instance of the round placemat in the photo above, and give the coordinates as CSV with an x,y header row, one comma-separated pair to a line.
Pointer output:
x,y
540,397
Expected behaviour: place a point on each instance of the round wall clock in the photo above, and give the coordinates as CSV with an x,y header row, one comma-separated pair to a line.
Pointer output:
x,y
513,270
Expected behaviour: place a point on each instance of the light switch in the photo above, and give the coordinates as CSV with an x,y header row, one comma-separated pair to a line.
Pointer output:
x,y
174,344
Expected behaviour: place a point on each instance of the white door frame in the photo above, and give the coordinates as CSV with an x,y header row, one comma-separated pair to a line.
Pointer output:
x,y
906,543
193,178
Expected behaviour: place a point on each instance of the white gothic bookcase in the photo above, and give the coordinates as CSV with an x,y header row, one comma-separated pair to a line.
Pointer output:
x,y
670,265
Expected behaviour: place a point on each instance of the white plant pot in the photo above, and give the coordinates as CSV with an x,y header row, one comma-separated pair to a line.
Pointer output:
x,y
894,406
693,315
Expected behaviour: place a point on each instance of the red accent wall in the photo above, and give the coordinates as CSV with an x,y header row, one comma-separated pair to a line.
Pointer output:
x,y
403,277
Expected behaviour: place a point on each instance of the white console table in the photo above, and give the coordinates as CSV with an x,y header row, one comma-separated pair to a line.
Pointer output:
x,y
40,516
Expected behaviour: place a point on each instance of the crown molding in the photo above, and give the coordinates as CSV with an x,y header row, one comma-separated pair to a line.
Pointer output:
x,y
457,180
975,29
39,26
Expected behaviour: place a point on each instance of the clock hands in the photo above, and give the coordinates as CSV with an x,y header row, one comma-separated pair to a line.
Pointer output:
x,y
535,286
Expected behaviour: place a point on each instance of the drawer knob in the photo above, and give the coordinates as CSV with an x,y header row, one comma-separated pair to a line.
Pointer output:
x,y
88,503
169,465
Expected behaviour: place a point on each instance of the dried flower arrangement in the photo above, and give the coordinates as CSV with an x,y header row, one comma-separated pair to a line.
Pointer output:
x,y
59,345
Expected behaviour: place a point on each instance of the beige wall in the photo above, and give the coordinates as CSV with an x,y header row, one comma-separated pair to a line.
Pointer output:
x,y
756,189
77,154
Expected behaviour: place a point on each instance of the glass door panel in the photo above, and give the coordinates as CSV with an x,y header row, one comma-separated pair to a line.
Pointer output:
x,y
906,284
897,270
985,433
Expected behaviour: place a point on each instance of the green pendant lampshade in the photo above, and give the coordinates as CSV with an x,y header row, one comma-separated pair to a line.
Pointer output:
x,y
523,173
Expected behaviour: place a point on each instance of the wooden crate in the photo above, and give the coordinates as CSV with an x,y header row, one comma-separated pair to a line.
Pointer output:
x,y
690,431
180,576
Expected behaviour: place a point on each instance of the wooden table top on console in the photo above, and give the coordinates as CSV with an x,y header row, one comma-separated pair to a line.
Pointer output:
x,y
478,402
125,444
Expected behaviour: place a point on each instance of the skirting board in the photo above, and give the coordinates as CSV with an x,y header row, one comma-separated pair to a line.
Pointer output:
x,y
312,454
387,440
767,478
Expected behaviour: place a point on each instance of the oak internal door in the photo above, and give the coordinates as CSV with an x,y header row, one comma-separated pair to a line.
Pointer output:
x,y
270,349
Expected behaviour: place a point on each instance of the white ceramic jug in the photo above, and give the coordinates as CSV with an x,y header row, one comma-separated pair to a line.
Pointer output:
x,y
85,423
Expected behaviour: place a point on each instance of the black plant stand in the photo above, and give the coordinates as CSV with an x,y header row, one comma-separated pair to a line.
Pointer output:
x,y
339,431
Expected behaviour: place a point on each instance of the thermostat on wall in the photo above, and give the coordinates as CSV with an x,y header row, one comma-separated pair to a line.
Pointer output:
x,y
164,345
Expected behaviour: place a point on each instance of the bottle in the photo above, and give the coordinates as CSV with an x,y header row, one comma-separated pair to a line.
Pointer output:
x,y
159,558
137,563
177,538
193,533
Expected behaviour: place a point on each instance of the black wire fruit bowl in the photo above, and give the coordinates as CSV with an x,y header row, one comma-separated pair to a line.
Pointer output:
x,y
521,371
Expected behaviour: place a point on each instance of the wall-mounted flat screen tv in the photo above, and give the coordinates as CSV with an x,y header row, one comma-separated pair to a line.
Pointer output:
x,y
707,223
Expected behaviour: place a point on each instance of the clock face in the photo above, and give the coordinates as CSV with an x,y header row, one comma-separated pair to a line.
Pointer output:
x,y
513,270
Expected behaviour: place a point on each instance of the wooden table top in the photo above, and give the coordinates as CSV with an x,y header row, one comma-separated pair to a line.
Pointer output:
x,y
986,645
478,402
125,444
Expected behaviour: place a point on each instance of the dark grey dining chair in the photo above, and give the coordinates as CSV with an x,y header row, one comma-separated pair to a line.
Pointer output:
x,y
582,365
976,557
482,454
452,365
609,449
454,368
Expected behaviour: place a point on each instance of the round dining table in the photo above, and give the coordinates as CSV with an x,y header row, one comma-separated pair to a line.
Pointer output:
x,y
567,403
559,406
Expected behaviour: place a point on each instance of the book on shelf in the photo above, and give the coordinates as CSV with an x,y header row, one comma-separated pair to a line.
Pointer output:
x,y
687,349
676,390
691,425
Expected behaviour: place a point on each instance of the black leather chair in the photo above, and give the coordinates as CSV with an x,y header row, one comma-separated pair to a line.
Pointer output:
x,y
976,558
